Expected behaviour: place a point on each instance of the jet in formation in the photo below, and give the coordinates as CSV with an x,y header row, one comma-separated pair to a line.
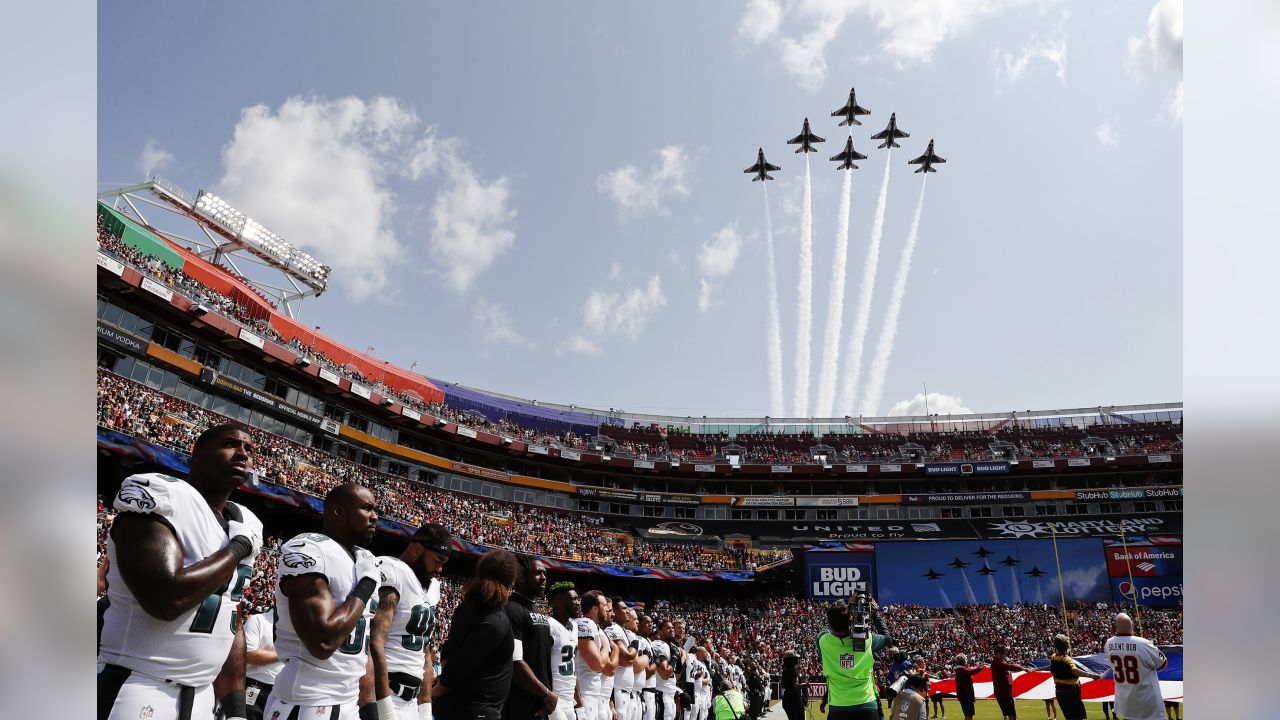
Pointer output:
x,y
986,570
983,552
761,168
1036,572
847,156
850,111
927,160
890,133
932,574
957,563
805,139
1009,561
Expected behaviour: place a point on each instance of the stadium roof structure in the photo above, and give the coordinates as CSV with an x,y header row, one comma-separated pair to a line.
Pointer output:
x,y
227,236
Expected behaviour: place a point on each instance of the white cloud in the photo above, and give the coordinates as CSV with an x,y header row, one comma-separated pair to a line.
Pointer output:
x,y
154,157
1050,49
636,190
716,259
760,21
615,271
1108,135
1173,105
494,327
1080,582
317,171
471,221
1162,48
911,30
625,313
938,404
580,345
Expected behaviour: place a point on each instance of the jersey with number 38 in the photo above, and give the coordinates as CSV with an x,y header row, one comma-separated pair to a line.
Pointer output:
x,y
414,621
190,649
306,679
1134,662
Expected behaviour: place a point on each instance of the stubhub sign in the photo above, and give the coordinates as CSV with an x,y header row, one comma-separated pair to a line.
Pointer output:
x,y
1150,591
836,575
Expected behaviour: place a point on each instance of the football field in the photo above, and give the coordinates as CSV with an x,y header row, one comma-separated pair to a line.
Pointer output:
x,y
985,710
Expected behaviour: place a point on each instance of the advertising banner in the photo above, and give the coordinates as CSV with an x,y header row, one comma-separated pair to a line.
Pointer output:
x,y
967,498
258,397
111,265
539,449
252,339
891,468
1078,462
570,454
1037,464
1129,493
827,502
704,467
1042,528
119,337
410,413
764,501
330,376
836,575
958,572
330,426
361,390
642,464
1150,591
608,493
1159,458
156,289
466,432
855,468
975,468
1144,560
480,471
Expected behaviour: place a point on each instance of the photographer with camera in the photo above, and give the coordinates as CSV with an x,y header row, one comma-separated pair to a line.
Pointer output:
x,y
846,646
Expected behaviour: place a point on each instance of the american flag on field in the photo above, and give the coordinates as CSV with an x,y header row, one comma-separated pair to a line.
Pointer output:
x,y
1038,684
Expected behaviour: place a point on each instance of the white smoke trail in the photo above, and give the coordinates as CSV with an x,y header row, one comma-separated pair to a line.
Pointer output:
x,y
946,599
991,585
775,326
968,589
884,348
1039,591
1017,588
857,340
835,305
804,302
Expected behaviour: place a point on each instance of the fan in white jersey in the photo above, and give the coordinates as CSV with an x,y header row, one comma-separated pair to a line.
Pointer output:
x,y
262,664
599,656
405,622
323,589
565,609
1135,661
179,554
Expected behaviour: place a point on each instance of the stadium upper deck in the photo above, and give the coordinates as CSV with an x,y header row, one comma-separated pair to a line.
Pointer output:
x,y
305,381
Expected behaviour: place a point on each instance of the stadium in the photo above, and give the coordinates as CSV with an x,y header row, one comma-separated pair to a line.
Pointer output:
x,y
971,531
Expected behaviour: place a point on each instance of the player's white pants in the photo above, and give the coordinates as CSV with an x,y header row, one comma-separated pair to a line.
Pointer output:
x,y
648,705
624,704
595,707
564,709
702,705
145,697
349,711
405,709
668,700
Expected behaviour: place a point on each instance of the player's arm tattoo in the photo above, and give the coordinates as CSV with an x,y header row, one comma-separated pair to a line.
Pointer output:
x,y
388,598
322,627
150,560
428,674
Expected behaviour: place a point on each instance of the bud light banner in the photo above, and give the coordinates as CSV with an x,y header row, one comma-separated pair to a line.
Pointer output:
x,y
1150,591
832,576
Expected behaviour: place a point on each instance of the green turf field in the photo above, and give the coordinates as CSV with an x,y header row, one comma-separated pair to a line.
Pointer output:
x,y
986,710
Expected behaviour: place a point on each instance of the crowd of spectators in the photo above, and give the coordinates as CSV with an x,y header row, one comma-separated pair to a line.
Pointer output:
x,y
136,409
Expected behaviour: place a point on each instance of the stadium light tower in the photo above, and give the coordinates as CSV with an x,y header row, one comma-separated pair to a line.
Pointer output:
x,y
228,235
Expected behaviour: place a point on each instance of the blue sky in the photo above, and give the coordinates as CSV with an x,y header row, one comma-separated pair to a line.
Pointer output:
x,y
549,201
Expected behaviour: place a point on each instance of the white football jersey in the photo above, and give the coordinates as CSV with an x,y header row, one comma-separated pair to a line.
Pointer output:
x,y
191,649
662,651
624,676
645,648
306,679
414,621
259,634
1134,661
590,682
564,659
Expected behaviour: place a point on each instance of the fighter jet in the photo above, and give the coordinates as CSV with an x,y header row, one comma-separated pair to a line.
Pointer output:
x,y
986,570
805,139
983,552
1009,561
927,160
957,563
761,168
847,156
1036,572
932,574
850,111
890,133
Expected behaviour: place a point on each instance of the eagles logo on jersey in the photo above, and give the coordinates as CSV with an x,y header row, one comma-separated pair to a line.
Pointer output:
x,y
297,559
133,495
